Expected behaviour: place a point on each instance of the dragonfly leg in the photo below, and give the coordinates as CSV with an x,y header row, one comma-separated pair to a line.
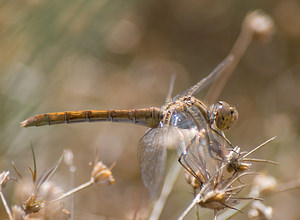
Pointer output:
x,y
182,156
215,148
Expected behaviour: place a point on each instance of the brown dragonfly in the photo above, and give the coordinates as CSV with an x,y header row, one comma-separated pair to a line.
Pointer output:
x,y
184,122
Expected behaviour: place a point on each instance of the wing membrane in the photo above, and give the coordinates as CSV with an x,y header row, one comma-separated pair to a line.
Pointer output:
x,y
201,149
208,79
152,155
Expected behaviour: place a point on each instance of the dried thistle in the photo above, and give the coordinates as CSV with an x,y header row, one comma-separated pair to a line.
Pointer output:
x,y
214,186
213,180
101,174
35,193
41,198
239,162
218,192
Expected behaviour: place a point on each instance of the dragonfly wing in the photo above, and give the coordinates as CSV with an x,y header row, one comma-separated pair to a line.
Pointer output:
x,y
219,146
200,148
208,79
152,155
203,156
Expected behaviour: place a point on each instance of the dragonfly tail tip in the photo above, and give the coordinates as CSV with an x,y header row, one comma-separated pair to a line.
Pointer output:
x,y
24,124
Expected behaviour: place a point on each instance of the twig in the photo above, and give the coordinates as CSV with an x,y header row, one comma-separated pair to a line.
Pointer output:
x,y
3,178
167,188
256,25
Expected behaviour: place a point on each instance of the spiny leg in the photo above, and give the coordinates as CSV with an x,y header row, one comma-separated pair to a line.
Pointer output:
x,y
183,156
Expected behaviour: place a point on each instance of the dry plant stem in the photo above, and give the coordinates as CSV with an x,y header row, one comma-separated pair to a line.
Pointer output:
x,y
167,188
261,145
231,212
75,190
237,52
288,186
260,160
191,205
281,188
69,161
215,214
5,205
197,197
4,176
72,171
172,173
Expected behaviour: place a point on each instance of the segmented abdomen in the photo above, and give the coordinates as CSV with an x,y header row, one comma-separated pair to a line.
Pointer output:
x,y
148,117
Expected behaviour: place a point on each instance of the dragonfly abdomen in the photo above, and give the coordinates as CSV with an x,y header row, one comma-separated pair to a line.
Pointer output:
x,y
148,117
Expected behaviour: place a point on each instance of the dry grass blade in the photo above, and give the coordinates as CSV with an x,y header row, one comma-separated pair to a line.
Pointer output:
x,y
4,177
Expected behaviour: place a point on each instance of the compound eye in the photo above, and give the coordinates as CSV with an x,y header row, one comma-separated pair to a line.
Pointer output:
x,y
225,115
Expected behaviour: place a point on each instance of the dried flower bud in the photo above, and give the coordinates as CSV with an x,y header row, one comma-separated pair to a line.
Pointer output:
x,y
261,24
192,180
216,200
68,157
66,212
259,211
102,174
264,184
235,161
33,206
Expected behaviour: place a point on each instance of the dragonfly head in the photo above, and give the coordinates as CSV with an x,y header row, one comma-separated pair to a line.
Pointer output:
x,y
225,115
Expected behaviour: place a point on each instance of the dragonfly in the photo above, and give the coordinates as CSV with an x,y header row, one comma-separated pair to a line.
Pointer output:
x,y
181,123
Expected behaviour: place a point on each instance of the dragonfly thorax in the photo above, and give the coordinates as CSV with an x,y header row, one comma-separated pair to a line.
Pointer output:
x,y
183,107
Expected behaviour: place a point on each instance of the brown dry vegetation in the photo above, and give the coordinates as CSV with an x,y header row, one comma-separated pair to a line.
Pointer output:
x,y
77,55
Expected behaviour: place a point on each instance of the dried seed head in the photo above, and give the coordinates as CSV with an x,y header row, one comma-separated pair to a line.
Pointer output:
x,y
261,24
260,211
216,200
101,174
264,184
195,183
33,206
235,161
34,203
66,212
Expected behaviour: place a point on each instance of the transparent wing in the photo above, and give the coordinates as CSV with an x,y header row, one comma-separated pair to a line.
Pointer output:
x,y
207,80
152,155
185,126
201,149
189,133
204,155
219,146
195,156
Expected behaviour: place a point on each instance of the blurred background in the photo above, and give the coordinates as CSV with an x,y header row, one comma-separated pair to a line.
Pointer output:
x,y
97,54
